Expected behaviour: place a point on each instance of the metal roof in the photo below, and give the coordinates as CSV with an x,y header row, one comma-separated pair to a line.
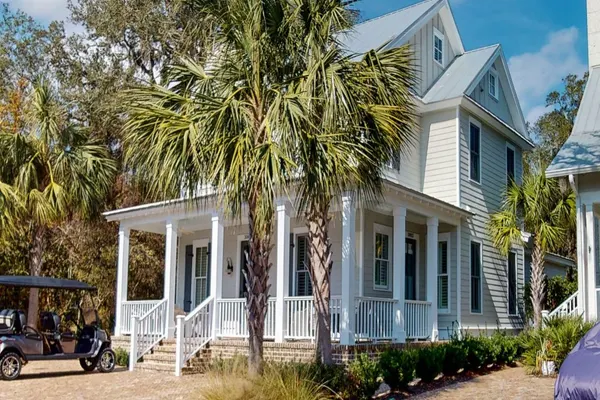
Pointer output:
x,y
43,282
459,75
581,152
376,32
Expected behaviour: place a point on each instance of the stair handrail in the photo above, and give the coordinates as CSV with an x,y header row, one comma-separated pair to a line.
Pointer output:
x,y
147,331
194,331
567,307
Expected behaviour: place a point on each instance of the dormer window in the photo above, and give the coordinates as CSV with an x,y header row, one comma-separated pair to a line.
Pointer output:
x,y
493,84
438,47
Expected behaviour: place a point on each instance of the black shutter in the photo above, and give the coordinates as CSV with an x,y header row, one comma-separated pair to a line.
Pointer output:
x,y
187,294
208,270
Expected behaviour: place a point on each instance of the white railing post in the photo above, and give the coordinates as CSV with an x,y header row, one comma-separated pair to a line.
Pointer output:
x,y
399,253
134,344
216,269
432,272
348,317
179,347
283,261
122,273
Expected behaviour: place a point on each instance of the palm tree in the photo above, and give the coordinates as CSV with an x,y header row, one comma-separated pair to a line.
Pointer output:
x,y
50,170
544,208
361,116
225,122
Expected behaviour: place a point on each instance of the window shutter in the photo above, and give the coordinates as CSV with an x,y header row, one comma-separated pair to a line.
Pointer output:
x,y
443,297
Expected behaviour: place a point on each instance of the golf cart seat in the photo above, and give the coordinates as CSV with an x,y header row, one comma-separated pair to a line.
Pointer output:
x,y
50,322
12,321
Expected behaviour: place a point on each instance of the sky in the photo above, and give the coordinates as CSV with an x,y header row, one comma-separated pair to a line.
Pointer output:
x,y
543,40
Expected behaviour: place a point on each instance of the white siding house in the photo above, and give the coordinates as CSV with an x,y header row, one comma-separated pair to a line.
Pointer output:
x,y
418,266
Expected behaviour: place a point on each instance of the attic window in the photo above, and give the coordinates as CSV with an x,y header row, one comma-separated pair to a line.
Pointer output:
x,y
438,47
493,84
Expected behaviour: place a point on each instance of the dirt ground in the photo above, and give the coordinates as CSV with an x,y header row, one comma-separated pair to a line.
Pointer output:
x,y
65,380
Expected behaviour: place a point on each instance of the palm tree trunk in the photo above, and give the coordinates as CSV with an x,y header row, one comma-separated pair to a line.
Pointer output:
x,y
35,269
257,280
319,253
538,284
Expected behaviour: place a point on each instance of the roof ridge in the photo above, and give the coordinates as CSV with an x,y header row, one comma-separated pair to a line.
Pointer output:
x,y
397,11
482,48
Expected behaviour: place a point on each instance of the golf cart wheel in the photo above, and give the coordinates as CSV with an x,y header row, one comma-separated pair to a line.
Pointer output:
x,y
88,364
10,366
107,360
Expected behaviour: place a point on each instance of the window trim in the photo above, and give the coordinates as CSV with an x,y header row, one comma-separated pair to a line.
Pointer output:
x,y
195,245
473,121
495,96
514,150
445,237
296,232
439,35
384,230
480,312
516,314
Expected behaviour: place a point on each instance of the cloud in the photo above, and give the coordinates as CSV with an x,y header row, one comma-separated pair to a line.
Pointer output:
x,y
43,10
535,74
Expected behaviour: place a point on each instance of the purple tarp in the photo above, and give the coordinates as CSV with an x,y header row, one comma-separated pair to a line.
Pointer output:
x,y
579,376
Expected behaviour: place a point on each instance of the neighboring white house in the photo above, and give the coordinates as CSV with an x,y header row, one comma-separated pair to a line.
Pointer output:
x,y
579,160
420,265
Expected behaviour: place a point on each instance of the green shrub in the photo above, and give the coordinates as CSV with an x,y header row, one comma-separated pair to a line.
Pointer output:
x,y
398,367
508,348
429,362
365,376
455,358
334,377
122,357
476,352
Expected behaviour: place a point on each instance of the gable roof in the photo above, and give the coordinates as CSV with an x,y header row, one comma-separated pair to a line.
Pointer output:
x,y
460,75
392,29
581,152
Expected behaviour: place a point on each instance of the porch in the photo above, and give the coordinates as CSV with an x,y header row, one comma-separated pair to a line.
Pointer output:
x,y
394,275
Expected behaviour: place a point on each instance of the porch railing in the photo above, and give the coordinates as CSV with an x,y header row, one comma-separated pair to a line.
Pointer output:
x,y
133,308
416,319
233,321
374,318
194,331
567,308
147,331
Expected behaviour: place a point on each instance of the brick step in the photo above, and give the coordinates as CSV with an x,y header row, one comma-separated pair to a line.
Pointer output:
x,y
169,349
161,358
156,367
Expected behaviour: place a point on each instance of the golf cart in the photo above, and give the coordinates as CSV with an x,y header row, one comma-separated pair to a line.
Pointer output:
x,y
20,344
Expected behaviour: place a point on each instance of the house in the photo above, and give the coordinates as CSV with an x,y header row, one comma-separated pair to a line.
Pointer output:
x,y
419,266
579,161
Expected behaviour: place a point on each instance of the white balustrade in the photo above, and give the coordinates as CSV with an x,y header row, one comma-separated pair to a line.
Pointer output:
x,y
234,322
134,308
374,318
567,308
301,319
416,319
193,332
335,308
147,331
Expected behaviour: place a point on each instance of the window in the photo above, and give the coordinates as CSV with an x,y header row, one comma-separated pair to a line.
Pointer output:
x,y
475,151
438,47
510,164
303,282
443,297
512,283
493,84
475,277
394,162
382,260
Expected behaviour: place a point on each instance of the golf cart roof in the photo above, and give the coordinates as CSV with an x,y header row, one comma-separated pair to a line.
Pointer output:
x,y
43,282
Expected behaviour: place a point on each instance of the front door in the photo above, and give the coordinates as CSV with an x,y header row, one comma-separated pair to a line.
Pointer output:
x,y
201,272
411,269
244,253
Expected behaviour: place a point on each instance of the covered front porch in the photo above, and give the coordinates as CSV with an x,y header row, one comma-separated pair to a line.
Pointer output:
x,y
394,274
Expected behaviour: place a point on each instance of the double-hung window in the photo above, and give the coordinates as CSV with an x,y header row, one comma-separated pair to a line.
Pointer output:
x,y
512,283
382,259
303,281
438,47
476,276
510,164
443,276
493,84
475,151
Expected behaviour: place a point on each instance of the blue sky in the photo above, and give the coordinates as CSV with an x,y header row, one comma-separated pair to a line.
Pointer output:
x,y
543,40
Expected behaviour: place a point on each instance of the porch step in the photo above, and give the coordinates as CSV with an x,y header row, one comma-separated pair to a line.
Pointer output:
x,y
163,356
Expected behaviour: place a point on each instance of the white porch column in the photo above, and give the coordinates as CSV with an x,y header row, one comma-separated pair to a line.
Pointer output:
x,y
216,269
591,307
399,257
170,274
581,260
348,264
432,271
122,277
283,270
